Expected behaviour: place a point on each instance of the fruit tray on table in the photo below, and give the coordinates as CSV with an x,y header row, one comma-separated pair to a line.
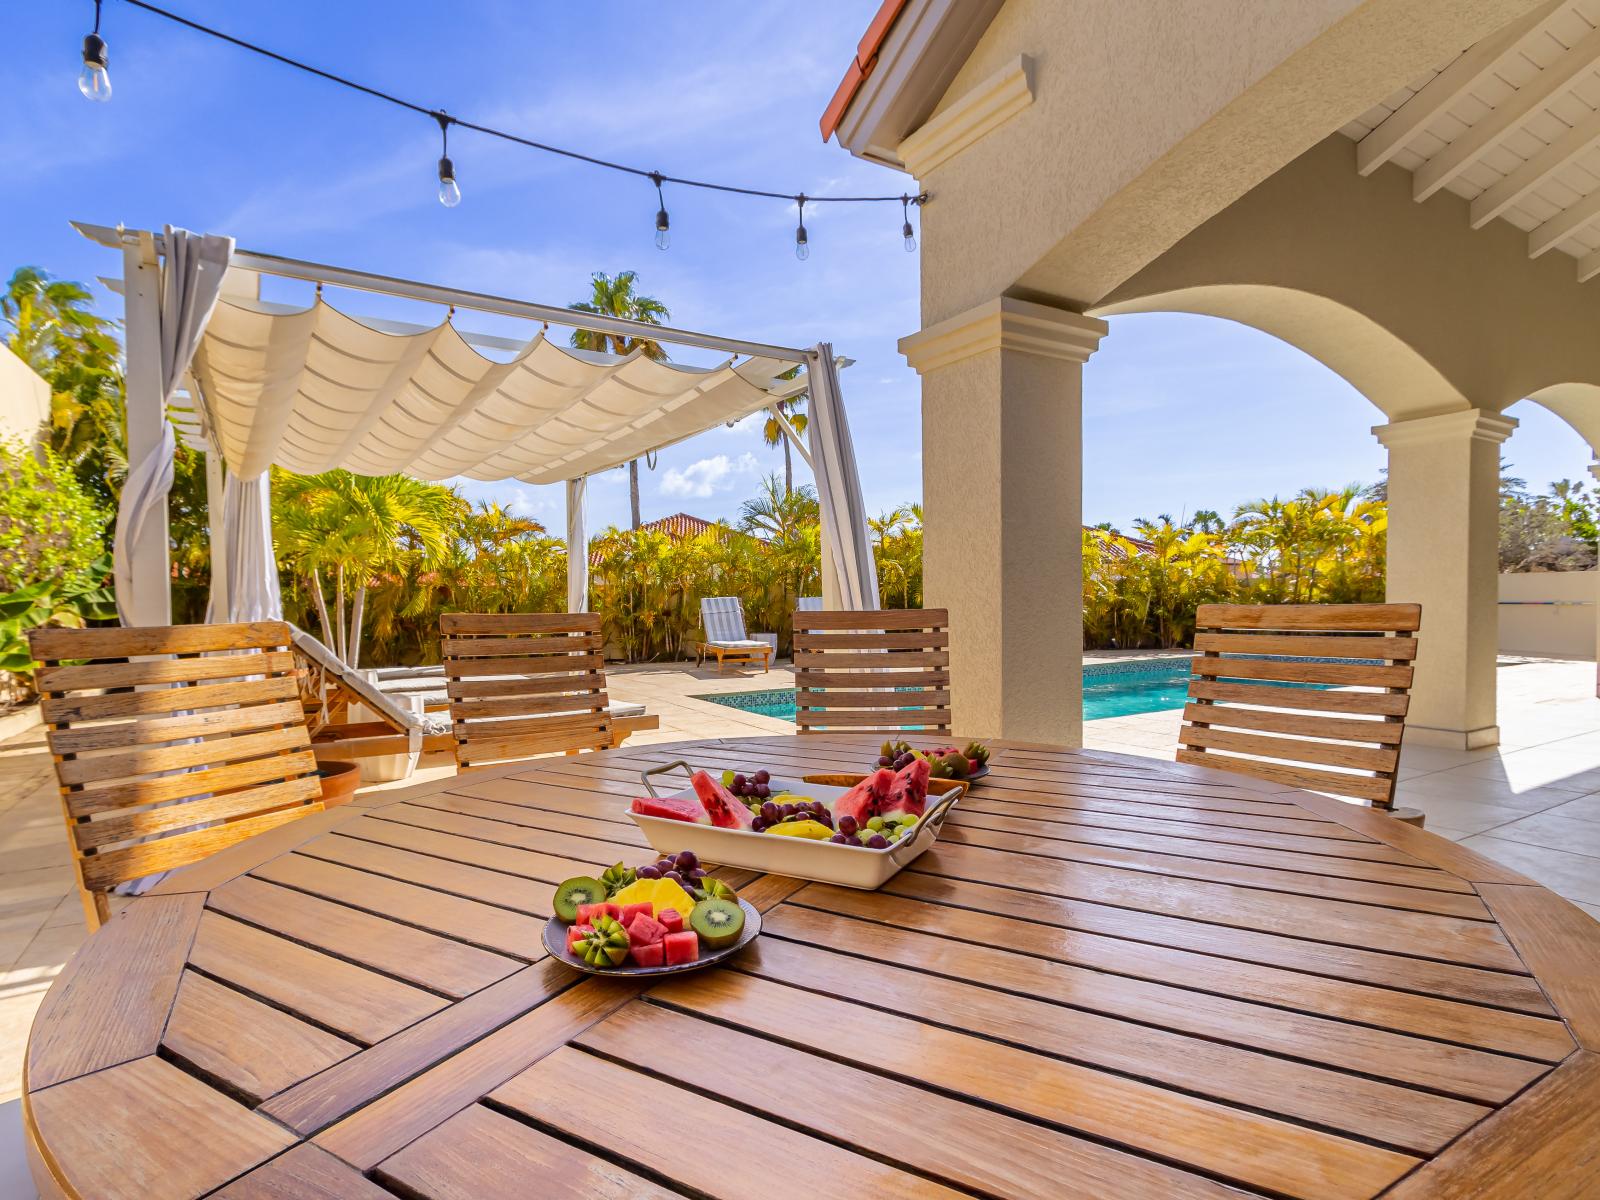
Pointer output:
x,y
850,829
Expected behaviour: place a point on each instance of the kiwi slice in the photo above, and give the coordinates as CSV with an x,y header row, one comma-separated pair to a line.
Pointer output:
x,y
574,893
715,889
718,922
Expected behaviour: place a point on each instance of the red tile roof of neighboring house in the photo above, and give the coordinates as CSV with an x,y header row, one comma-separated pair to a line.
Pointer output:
x,y
679,527
861,65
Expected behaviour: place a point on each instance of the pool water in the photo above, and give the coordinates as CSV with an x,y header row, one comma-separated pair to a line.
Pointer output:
x,y
1109,690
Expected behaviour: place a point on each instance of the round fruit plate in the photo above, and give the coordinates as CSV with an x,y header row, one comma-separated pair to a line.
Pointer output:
x,y
555,941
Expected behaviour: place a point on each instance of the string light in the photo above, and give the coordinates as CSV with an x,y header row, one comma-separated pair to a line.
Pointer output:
x,y
663,225
94,81
96,84
449,189
802,244
909,237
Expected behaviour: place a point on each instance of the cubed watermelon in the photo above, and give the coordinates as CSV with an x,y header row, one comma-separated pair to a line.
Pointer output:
x,y
644,930
630,911
588,912
651,955
673,808
682,947
672,919
575,933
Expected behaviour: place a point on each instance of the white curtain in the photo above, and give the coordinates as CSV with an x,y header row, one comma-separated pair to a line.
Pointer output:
x,y
577,547
191,281
248,572
849,574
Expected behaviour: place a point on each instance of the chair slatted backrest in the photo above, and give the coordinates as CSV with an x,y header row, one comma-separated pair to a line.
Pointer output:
x,y
171,743
1307,695
522,684
882,671
723,619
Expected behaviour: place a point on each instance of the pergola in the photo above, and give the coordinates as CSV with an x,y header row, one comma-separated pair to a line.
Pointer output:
x,y
256,384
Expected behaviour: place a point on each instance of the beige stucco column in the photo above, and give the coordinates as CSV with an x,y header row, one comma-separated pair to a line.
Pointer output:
x,y
1444,531
1002,493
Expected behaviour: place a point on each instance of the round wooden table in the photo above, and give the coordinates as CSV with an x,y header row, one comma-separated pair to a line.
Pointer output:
x,y
1112,976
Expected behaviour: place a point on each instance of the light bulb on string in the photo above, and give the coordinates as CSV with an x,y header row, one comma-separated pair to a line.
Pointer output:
x,y
449,189
94,81
663,224
906,232
802,244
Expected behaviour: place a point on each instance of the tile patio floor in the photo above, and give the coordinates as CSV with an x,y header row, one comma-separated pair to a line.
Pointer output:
x,y
1533,802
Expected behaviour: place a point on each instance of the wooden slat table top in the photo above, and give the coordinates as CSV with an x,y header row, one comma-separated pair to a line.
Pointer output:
x,y
1112,976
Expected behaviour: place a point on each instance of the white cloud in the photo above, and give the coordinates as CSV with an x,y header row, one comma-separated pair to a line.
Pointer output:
x,y
707,476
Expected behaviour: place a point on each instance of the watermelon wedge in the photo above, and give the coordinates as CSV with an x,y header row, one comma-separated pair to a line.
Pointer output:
x,y
673,808
726,810
909,791
865,800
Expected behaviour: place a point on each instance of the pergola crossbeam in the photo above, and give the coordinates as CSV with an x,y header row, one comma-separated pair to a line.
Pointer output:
x,y
1578,140
1564,224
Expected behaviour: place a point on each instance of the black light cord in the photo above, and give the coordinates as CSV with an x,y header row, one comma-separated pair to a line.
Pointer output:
x,y
655,177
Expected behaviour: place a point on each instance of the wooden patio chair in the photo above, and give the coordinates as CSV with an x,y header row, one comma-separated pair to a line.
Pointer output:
x,y
1307,695
872,672
523,684
171,743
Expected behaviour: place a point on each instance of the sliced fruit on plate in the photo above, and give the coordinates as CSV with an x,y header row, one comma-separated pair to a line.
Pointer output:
x,y
606,945
865,800
909,791
682,947
653,954
644,930
718,922
661,894
673,808
630,911
616,877
576,893
672,920
814,830
576,934
725,809
587,913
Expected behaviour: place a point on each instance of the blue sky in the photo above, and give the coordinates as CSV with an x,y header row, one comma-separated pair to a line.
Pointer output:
x,y
1180,412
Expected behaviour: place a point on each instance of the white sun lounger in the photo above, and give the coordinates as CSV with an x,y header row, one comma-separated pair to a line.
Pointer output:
x,y
726,639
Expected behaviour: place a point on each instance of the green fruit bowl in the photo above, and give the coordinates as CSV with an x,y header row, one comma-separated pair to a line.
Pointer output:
x,y
555,942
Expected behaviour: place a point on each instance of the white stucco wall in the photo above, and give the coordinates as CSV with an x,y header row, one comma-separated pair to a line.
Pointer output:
x,y
1529,624
24,399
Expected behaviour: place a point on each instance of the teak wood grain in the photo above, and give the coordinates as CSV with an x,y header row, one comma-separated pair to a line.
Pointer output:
x,y
1111,977
886,671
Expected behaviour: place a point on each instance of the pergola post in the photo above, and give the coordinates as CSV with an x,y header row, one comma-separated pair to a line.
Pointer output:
x,y
218,604
1443,553
150,598
1002,482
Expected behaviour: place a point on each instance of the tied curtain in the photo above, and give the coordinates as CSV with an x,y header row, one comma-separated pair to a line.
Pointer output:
x,y
244,585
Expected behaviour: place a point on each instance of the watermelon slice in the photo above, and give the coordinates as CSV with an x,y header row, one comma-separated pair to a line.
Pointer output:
x,y
588,912
673,808
644,930
670,919
651,954
630,911
682,947
909,792
726,810
865,800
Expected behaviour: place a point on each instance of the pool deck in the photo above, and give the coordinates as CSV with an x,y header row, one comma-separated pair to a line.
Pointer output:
x,y
1533,802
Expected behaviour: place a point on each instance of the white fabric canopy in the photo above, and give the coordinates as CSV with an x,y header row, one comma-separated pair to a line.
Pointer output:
x,y
190,284
849,572
312,389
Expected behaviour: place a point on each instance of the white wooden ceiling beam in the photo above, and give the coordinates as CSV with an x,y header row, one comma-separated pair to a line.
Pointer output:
x,y
1564,224
1589,266
1578,140
1501,123
1445,88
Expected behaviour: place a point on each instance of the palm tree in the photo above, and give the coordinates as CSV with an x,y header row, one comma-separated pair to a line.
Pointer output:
x,y
613,296
773,432
361,528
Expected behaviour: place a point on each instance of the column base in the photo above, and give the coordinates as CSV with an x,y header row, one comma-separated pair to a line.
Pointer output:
x,y
1453,739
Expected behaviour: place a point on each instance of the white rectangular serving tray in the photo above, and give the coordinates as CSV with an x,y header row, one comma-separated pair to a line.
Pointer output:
x,y
799,858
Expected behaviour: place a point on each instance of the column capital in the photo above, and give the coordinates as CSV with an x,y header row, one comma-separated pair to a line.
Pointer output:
x,y
1594,469
1472,424
1004,323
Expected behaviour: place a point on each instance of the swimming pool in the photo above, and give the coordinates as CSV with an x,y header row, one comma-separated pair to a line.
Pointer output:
x,y
1109,690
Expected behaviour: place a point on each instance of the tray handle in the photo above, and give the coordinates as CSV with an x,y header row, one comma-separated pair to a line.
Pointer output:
x,y
932,820
644,776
